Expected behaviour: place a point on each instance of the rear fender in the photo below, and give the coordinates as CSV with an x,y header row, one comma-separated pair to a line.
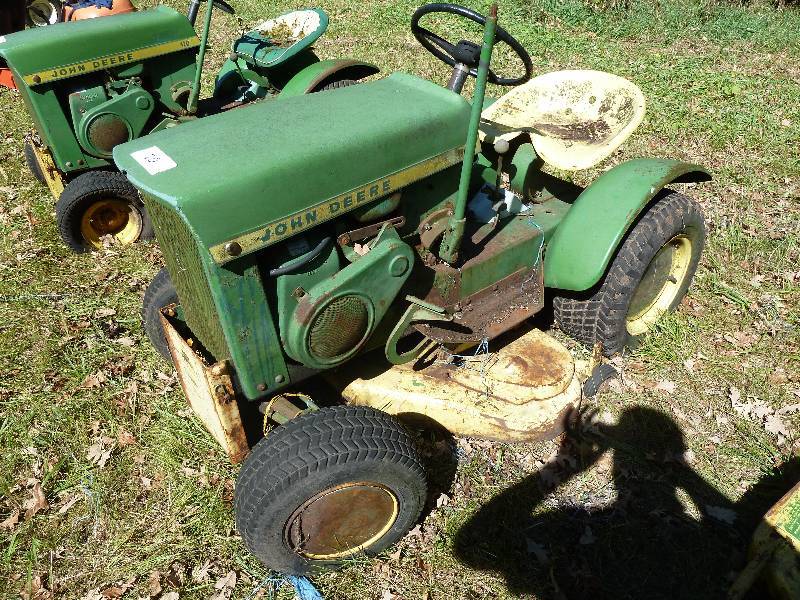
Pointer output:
x,y
315,77
587,238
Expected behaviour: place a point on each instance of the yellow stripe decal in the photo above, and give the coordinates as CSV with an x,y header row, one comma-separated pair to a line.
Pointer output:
x,y
109,61
282,229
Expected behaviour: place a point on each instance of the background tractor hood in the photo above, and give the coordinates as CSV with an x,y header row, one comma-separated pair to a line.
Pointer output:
x,y
45,49
255,174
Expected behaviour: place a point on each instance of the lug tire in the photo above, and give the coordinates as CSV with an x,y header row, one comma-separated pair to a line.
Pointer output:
x,y
33,163
83,192
315,453
160,293
335,85
600,315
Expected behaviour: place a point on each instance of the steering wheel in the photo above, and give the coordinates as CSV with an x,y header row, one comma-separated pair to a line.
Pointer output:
x,y
194,6
466,53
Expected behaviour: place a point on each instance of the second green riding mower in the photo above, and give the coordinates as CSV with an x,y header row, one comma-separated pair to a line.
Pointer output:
x,y
92,84
367,236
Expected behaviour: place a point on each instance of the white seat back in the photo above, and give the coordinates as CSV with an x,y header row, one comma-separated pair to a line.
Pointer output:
x,y
575,118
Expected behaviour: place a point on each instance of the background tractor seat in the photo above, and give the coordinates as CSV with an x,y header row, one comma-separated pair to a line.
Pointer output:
x,y
235,172
275,41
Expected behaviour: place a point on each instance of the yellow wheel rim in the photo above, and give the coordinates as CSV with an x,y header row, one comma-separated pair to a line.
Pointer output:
x,y
661,284
341,521
116,218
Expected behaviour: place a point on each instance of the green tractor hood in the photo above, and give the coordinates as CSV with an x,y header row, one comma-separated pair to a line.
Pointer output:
x,y
43,54
257,175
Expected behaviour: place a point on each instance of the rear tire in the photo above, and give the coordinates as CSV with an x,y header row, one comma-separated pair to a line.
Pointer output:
x,y
329,485
99,203
33,162
160,293
664,245
335,85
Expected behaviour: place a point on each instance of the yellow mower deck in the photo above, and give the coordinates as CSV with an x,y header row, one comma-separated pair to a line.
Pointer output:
x,y
775,551
524,391
53,179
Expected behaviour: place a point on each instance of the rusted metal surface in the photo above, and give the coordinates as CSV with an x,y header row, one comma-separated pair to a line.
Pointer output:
x,y
209,391
492,311
523,391
432,226
52,176
342,520
357,235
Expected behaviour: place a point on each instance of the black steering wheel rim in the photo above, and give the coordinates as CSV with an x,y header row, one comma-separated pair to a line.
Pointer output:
x,y
442,49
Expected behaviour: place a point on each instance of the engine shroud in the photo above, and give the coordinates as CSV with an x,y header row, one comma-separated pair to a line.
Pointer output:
x,y
332,321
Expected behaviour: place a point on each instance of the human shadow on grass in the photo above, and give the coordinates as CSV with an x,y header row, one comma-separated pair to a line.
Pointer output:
x,y
630,537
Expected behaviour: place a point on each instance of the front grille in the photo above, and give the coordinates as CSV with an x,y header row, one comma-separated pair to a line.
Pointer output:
x,y
186,270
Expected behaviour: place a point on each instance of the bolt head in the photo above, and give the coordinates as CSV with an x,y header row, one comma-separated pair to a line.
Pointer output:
x,y
278,378
501,146
262,387
37,79
398,266
233,248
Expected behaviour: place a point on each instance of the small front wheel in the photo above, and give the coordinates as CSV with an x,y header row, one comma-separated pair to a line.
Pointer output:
x,y
98,204
33,162
649,276
160,293
327,486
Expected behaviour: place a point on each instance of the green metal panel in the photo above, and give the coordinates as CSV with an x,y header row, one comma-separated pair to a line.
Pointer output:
x,y
39,50
225,307
587,238
242,183
248,324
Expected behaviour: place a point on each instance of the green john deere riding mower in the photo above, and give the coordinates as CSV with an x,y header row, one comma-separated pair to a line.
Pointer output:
x,y
417,224
92,84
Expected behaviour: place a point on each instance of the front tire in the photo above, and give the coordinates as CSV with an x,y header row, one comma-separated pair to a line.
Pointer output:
x,y
33,162
327,486
649,276
160,293
98,204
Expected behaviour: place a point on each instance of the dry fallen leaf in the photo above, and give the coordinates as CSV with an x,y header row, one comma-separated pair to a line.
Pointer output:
x,y
11,521
666,386
98,455
154,584
69,504
774,424
125,438
36,503
200,573
102,313
95,380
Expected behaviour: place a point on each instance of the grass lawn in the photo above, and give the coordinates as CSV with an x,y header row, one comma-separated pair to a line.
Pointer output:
x,y
108,483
